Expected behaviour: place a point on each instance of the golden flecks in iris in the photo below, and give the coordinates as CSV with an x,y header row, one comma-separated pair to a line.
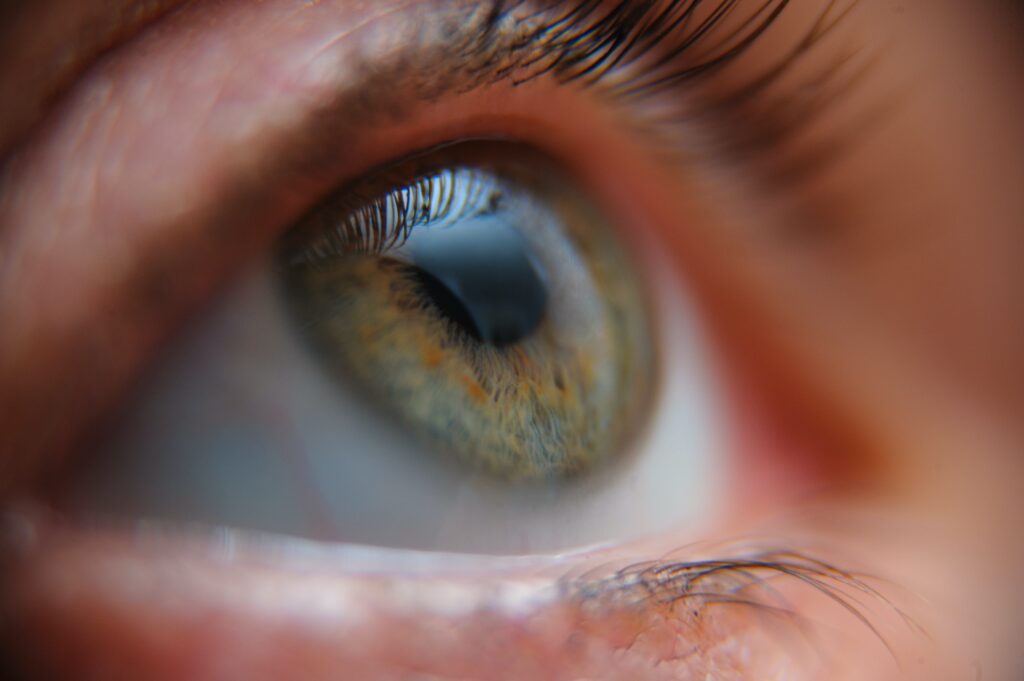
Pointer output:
x,y
501,409
473,389
432,357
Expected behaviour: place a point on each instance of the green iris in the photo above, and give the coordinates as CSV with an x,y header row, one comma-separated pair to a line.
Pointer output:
x,y
478,297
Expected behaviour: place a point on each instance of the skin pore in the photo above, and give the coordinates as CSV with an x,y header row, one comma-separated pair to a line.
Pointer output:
x,y
866,311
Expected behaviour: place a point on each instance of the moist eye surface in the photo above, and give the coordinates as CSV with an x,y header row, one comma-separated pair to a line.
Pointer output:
x,y
480,299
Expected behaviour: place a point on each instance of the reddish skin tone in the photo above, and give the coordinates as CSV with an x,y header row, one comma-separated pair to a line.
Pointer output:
x,y
894,351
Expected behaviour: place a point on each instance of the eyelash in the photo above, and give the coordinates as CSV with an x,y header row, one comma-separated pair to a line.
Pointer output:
x,y
373,225
599,52
688,588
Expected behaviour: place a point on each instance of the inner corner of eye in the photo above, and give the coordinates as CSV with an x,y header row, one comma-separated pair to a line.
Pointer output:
x,y
479,300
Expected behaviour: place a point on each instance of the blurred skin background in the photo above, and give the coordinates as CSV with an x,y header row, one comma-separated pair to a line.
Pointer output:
x,y
824,198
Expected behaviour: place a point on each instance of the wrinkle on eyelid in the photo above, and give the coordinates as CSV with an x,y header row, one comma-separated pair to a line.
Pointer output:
x,y
114,603
333,40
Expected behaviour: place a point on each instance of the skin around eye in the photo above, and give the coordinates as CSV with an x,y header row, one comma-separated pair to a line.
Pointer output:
x,y
906,308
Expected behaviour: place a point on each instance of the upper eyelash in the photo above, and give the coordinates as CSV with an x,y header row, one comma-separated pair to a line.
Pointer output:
x,y
374,224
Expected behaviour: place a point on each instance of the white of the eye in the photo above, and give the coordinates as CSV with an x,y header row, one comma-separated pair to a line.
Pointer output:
x,y
240,426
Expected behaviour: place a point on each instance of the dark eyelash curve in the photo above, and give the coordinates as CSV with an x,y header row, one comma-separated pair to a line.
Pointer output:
x,y
635,50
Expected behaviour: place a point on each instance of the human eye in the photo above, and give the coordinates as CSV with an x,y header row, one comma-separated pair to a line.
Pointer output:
x,y
677,190
469,322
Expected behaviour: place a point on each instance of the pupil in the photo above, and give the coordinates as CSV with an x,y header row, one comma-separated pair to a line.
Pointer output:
x,y
446,302
478,273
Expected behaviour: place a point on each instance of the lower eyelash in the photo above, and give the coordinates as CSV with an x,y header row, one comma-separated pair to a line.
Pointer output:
x,y
688,589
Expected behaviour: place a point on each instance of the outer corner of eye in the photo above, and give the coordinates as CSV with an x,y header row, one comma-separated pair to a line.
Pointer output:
x,y
457,352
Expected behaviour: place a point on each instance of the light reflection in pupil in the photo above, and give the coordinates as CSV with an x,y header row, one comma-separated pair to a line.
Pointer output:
x,y
480,274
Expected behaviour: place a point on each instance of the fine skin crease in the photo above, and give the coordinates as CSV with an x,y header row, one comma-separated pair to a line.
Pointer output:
x,y
895,334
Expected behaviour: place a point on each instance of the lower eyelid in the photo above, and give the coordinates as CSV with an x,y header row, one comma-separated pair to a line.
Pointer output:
x,y
165,602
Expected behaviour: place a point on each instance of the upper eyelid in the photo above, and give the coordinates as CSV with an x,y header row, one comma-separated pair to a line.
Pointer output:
x,y
479,58
49,191
338,91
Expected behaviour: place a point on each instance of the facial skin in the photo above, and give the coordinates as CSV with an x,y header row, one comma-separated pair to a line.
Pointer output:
x,y
867,317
